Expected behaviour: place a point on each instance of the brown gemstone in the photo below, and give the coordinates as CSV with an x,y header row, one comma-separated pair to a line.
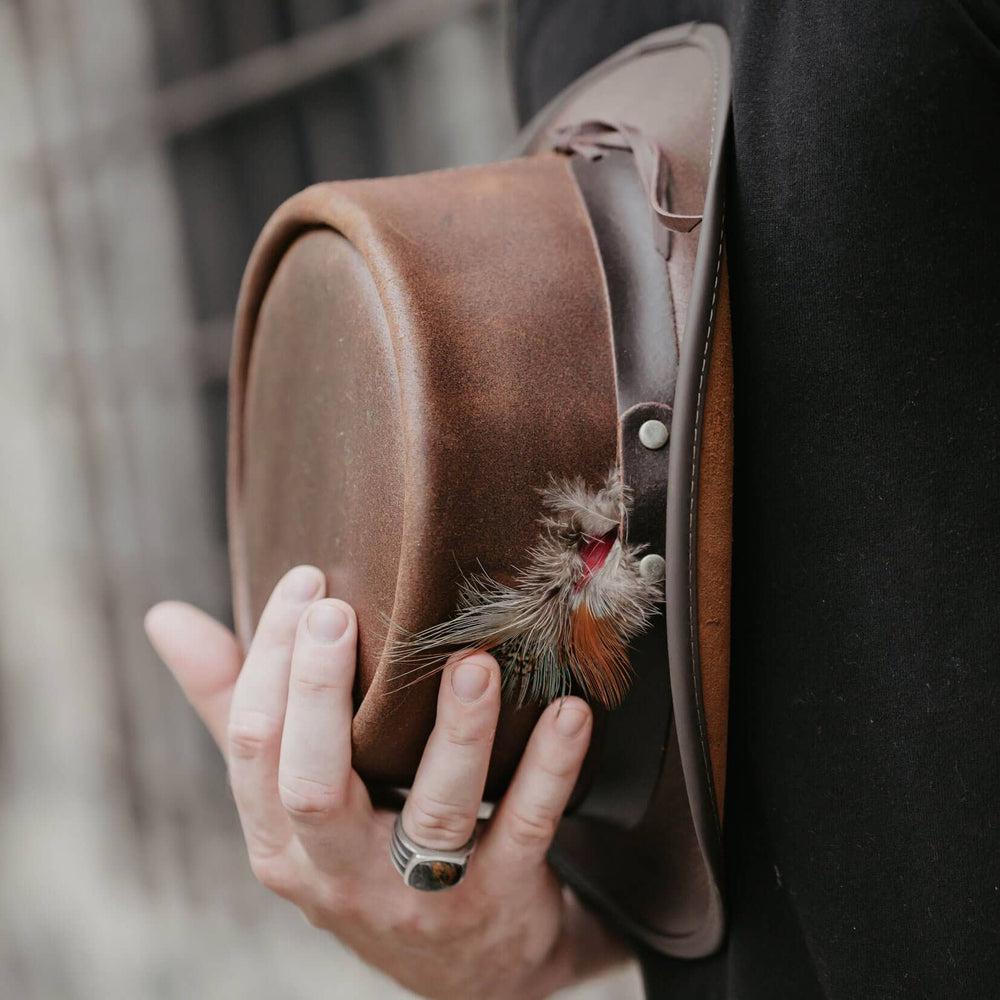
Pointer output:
x,y
434,875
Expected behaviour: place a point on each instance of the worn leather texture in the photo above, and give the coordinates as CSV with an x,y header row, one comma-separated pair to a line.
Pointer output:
x,y
441,345
415,356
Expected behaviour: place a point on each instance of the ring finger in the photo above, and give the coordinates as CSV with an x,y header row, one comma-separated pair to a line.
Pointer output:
x,y
442,807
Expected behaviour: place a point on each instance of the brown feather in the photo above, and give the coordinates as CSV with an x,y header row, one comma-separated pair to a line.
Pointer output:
x,y
566,622
599,657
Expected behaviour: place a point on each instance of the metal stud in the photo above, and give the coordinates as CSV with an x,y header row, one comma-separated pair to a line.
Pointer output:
x,y
652,567
654,434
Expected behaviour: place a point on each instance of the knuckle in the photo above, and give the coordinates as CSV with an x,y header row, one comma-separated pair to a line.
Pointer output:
x,y
316,683
437,819
531,830
341,899
251,734
559,766
273,872
469,732
305,798
414,923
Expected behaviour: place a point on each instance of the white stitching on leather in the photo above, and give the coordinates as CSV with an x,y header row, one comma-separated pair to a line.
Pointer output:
x,y
715,109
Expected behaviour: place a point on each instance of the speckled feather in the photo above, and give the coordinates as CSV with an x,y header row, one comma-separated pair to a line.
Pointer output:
x,y
564,624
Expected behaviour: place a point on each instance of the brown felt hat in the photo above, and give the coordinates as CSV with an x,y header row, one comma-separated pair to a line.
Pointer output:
x,y
422,363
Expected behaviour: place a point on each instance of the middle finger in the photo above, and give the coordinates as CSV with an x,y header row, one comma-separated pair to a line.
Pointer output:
x,y
322,794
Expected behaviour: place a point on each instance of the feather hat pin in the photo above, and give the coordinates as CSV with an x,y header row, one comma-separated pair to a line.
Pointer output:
x,y
567,620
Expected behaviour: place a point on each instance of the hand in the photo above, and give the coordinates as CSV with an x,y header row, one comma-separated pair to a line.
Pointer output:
x,y
283,724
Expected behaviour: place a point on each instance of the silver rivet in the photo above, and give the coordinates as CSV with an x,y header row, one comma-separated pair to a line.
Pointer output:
x,y
652,567
654,434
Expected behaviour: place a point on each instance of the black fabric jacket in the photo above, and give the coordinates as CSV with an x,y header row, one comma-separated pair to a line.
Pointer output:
x,y
863,823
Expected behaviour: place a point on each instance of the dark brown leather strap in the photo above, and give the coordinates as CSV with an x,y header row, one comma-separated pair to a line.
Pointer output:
x,y
646,353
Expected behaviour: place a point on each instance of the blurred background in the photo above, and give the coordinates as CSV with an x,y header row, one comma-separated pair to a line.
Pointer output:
x,y
144,143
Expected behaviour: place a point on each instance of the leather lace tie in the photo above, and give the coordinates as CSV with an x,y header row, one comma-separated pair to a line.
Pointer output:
x,y
594,137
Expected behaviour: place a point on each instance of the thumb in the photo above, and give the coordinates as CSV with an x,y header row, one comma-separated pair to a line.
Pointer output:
x,y
203,656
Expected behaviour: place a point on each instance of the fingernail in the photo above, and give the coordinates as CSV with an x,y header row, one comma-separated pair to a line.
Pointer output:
x,y
569,721
302,583
326,622
469,680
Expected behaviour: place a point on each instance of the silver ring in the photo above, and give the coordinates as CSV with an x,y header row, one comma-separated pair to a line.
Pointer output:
x,y
424,868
